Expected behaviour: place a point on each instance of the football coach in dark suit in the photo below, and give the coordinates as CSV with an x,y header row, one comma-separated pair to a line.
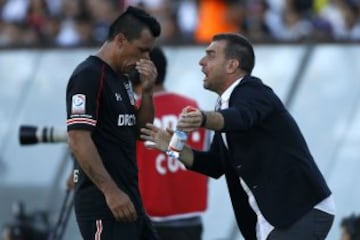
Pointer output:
x,y
276,189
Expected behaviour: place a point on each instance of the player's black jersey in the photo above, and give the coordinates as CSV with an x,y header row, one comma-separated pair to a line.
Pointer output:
x,y
102,102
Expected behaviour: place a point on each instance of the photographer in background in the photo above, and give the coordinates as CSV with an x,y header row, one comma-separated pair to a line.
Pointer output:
x,y
21,232
350,228
26,226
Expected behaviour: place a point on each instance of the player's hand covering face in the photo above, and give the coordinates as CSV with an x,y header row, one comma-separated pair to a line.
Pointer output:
x,y
148,74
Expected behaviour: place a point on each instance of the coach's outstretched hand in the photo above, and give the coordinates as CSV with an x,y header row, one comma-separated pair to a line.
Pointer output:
x,y
157,138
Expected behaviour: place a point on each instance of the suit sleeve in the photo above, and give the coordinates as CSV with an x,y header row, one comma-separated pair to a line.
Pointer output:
x,y
249,105
209,162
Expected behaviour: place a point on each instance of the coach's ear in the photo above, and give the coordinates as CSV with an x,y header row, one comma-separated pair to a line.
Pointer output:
x,y
232,65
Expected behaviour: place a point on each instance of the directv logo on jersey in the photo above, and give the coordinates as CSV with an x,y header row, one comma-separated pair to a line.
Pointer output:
x,y
126,120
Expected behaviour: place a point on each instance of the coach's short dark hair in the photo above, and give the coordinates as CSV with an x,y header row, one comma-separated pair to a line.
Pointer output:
x,y
132,22
238,47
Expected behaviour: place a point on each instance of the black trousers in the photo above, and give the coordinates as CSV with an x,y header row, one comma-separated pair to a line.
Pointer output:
x,y
179,232
315,225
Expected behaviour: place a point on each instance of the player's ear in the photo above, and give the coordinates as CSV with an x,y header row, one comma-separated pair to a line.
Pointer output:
x,y
120,40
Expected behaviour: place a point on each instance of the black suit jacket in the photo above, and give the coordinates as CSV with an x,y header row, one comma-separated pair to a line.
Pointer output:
x,y
267,150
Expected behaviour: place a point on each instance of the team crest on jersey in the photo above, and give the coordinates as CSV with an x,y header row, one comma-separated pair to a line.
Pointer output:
x,y
78,103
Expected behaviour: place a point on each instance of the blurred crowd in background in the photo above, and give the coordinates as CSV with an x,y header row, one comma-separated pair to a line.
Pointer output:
x,y
69,23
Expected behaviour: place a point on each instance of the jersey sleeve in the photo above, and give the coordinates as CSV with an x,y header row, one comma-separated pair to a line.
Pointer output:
x,y
83,95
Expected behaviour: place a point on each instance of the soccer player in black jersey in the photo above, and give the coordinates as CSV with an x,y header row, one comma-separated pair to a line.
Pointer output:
x,y
103,125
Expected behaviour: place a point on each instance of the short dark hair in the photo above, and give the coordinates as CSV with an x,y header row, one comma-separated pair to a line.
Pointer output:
x,y
132,22
158,57
238,47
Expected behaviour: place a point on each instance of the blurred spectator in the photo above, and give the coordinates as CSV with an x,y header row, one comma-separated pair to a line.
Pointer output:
x,y
350,228
51,30
54,7
218,16
295,21
165,13
37,14
255,25
14,10
332,13
85,22
319,4
344,17
187,19
103,12
16,34
321,29
351,13
68,35
84,28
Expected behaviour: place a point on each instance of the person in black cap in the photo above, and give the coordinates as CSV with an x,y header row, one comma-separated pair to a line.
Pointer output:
x,y
103,125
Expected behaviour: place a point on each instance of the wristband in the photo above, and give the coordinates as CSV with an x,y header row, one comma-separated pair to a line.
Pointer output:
x,y
204,118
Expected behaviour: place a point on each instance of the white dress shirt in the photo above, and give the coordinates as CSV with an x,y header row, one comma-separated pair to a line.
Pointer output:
x,y
263,227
